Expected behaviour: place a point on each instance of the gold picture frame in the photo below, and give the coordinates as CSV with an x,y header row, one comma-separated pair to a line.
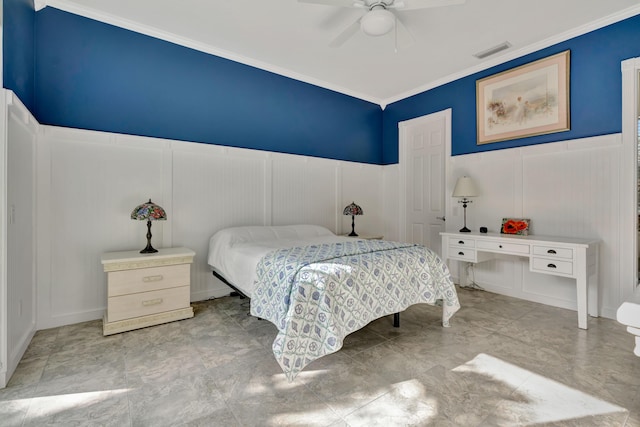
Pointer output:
x,y
532,99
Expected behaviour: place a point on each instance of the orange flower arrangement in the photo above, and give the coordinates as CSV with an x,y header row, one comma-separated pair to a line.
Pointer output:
x,y
515,226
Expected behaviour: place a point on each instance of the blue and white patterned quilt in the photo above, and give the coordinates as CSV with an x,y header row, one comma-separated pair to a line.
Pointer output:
x,y
316,295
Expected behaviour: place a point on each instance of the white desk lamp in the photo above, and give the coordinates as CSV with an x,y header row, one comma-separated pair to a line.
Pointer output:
x,y
465,188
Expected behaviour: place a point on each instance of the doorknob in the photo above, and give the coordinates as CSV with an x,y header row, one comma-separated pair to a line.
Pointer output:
x,y
441,217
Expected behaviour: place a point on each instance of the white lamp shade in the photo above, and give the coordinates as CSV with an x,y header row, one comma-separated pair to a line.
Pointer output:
x,y
377,22
465,187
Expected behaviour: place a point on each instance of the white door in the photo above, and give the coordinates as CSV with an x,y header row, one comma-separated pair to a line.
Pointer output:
x,y
422,151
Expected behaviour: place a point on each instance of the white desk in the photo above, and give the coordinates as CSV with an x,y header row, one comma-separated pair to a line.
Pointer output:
x,y
558,256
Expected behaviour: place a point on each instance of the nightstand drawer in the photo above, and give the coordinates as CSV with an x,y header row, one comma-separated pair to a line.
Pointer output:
x,y
503,247
552,266
462,254
145,303
148,279
553,252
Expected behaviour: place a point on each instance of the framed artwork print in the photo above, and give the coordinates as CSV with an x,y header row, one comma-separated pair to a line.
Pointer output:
x,y
518,226
532,99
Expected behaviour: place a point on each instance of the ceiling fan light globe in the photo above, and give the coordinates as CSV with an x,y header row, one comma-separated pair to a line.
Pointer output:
x,y
377,22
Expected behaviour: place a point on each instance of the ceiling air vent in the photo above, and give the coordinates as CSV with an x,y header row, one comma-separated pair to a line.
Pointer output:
x,y
492,50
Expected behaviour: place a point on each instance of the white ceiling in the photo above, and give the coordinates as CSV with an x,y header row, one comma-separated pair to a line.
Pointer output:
x,y
292,39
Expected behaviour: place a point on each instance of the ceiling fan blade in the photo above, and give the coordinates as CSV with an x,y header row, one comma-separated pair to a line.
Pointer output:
x,y
346,34
338,3
425,4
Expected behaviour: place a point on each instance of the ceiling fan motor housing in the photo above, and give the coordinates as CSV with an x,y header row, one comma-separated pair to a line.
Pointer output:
x,y
378,21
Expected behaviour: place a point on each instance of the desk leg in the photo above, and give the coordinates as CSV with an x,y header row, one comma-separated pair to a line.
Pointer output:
x,y
592,281
463,277
581,284
587,284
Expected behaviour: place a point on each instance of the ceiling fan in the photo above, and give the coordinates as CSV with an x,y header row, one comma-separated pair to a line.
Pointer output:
x,y
379,19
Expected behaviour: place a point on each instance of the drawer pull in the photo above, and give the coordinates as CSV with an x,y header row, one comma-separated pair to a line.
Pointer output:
x,y
150,302
551,266
500,246
461,253
551,251
157,278
461,242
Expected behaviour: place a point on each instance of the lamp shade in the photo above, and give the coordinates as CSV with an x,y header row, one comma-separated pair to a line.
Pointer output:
x,y
149,211
465,187
352,209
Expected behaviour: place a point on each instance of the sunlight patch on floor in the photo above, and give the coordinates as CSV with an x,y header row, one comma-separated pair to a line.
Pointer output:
x,y
47,406
539,399
407,404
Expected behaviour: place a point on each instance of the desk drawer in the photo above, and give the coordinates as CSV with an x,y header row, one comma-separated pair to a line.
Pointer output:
x,y
553,252
514,248
148,279
551,266
145,303
462,254
467,243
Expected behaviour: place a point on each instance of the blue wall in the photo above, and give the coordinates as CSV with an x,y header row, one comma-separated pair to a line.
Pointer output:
x,y
91,75
595,93
18,49
86,74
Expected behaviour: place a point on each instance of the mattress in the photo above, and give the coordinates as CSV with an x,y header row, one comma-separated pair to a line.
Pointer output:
x,y
235,252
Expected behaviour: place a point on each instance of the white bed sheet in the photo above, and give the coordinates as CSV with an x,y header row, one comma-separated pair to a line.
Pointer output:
x,y
235,252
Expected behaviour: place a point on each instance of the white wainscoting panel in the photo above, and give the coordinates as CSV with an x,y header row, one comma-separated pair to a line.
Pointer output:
x,y
18,287
93,181
391,201
89,182
214,188
569,188
362,184
304,191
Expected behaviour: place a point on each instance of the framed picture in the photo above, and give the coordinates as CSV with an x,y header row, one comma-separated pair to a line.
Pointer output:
x,y
532,99
518,226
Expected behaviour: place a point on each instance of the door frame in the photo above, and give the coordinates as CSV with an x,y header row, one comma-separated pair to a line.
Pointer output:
x,y
402,163
629,178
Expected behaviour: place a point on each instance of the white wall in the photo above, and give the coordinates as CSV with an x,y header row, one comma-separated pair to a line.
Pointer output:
x,y
18,283
88,183
569,188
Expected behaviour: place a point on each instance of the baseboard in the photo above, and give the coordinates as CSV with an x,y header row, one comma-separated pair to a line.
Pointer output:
x,y
97,314
553,302
70,319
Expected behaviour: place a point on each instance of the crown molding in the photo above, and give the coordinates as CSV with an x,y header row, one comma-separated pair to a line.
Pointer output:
x,y
39,4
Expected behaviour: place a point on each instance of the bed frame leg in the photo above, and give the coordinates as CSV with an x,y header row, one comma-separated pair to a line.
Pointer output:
x,y
396,320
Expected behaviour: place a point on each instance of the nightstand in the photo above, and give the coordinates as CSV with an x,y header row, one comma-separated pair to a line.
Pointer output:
x,y
147,289
366,237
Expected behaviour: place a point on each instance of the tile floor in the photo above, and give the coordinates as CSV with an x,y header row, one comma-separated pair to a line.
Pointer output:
x,y
504,362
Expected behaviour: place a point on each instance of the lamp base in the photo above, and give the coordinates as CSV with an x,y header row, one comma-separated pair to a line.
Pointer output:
x,y
148,250
465,230
353,227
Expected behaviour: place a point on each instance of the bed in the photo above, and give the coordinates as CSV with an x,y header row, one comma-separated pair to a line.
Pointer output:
x,y
317,287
